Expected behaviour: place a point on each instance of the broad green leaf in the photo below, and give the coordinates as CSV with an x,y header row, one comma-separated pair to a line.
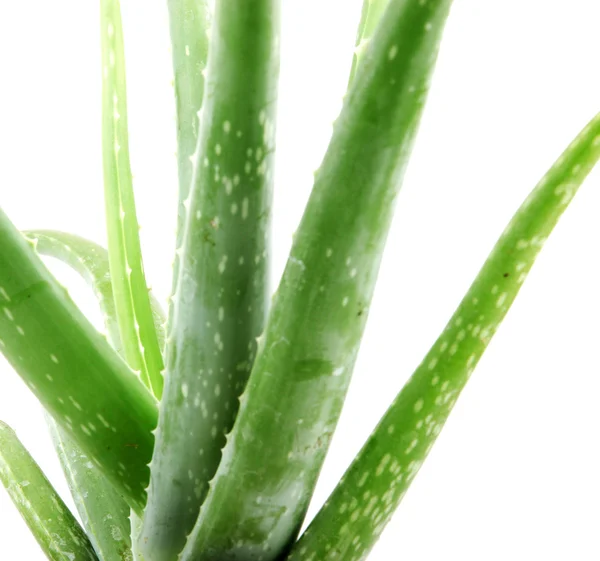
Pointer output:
x,y
272,458
50,521
103,512
70,367
132,302
371,13
363,502
221,296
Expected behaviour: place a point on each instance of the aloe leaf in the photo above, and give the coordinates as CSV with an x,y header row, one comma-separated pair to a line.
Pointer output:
x,y
363,502
90,260
70,367
104,514
221,296
189,22
140,341
50,521
189,26
295,393
371,13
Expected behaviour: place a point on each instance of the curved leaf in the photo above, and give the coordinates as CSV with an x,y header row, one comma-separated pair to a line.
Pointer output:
x,y
363,502
90,260
105,515
72,370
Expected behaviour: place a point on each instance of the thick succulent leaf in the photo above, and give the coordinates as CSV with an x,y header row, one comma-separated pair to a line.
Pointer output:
x,y
72,369
103,512
58,533
363,502
295,393
90,260
140,341
371,13
189,25
222,291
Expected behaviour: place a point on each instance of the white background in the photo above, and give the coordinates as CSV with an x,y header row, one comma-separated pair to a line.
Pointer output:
x,y
515,472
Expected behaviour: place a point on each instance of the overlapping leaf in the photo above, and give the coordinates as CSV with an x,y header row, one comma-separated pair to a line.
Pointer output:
x,y
57,532
305,359
221,295
73,371
134,314
363,502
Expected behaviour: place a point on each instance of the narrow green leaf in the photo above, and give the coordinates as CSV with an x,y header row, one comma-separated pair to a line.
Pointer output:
x,y
270,464
103,512
90,260
189,25
371,13
50,521
221,296
72,370
363,502
140,341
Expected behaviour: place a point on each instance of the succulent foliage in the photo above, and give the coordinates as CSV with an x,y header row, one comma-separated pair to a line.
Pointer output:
x,y
201,438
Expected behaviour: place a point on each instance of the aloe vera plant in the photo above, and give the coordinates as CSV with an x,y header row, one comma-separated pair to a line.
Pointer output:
x,y
201,436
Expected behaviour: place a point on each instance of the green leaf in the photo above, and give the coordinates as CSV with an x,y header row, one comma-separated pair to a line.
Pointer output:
x,y
72,370
270,464
363,502
103,512
370,16
50,521
221,296
140,341
189,25
90,260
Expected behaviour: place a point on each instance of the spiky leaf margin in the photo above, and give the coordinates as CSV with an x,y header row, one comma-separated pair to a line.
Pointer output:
x,y
222,292
132,302
273,456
